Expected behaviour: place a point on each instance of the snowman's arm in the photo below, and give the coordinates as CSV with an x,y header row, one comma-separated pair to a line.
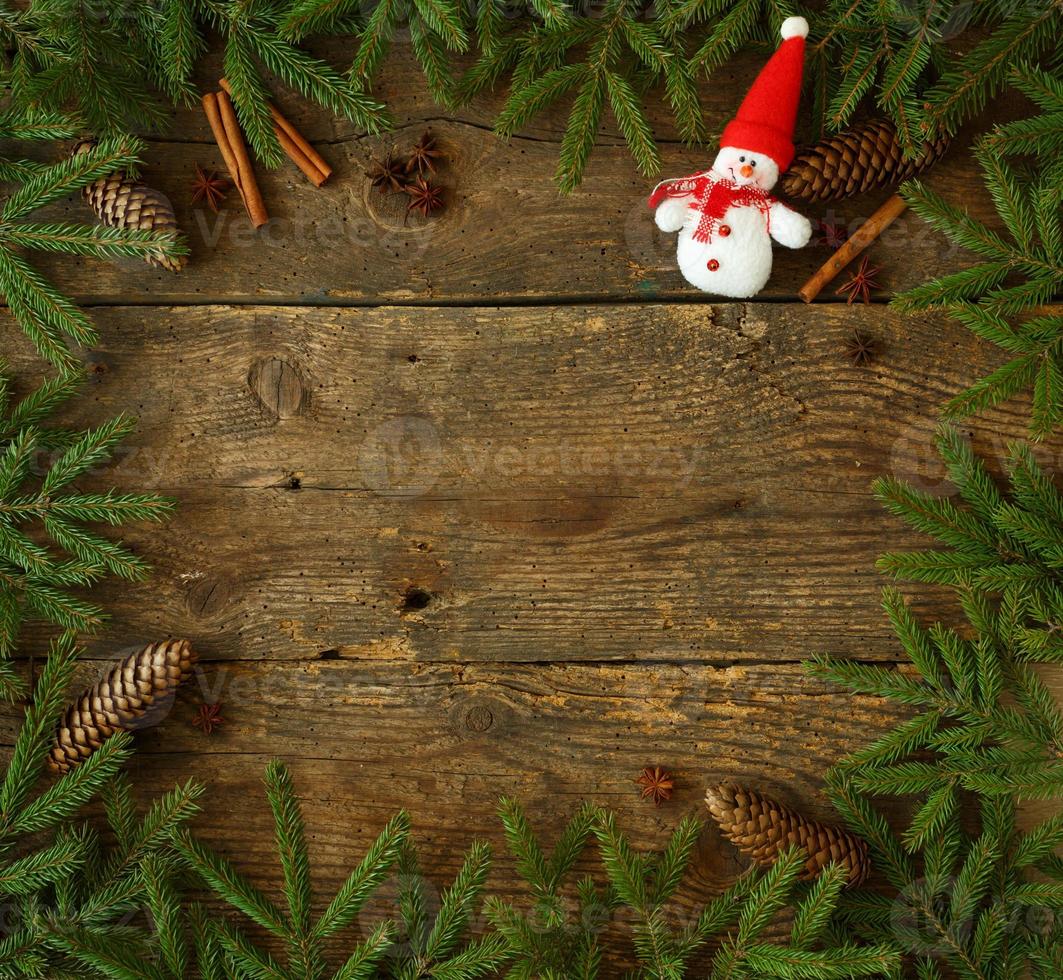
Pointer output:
x,y
672,212
788,227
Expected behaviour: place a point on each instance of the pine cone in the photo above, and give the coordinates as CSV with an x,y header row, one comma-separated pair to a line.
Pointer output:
x,y
120,201
858,160
132,695
762,828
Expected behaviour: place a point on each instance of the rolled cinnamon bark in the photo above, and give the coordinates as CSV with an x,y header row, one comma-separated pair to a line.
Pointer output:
x,y
300,159
295,145
210,107
256,208
231,142
300,141
860,239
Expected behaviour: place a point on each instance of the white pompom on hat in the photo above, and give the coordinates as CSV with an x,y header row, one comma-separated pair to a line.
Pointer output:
x,y
794,27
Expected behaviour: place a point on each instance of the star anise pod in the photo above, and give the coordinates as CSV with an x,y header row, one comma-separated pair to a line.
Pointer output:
x,y
425,197
208,717
861,283
389,174
424,152
861,348
209,187
657,784
830,234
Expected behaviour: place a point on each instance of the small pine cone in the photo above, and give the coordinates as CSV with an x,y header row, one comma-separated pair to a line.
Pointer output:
x,y
120,201
133,695
762,828
858,160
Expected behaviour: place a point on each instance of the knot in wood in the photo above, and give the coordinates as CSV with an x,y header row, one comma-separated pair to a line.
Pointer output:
x,y
278,386
208,596
479,718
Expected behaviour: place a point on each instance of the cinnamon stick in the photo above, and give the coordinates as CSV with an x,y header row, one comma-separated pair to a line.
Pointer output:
x,y
295,145
230,142
300,159
256,208
861,238
210,107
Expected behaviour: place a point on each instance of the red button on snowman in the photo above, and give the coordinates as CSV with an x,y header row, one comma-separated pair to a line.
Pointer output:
x,y
725,216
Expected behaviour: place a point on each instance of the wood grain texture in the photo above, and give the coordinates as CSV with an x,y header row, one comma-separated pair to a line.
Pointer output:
x,y
684,483
505,236
445,741
445,533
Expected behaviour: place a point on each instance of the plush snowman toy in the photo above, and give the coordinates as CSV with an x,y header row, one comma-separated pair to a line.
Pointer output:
x,y
725,216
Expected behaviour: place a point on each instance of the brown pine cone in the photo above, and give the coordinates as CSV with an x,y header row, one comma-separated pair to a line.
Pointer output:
x,y
761,828
120,201
133,695
858,160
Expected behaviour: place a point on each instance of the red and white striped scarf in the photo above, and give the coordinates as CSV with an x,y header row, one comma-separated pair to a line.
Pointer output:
x,y
712,196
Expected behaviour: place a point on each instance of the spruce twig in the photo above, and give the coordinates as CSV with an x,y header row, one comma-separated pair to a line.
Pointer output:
x,y
302,936
44,313
67,895
1003,297
35,579
987,725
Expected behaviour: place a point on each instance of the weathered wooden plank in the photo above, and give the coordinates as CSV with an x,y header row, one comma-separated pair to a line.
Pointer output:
x,y
506,234
446,741
476,731
687,483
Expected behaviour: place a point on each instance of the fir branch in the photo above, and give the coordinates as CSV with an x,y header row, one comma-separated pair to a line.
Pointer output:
x,y
304,938
114,960
552,938
1019,273
994,730
43,312
763,960
33,741
458,902
360,884
308,17
72,174
24,124
93,241
32,576
305,954
247,958
163,903
65,898
67,795
813,915
974,79
364,962
223,878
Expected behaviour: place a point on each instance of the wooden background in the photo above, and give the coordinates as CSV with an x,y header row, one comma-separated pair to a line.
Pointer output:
x,y
494,503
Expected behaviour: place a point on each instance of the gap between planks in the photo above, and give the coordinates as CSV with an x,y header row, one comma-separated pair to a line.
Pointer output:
x,y
472,303
325,656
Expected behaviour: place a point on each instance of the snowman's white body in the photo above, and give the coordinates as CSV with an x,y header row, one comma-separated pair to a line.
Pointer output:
x,y
736,260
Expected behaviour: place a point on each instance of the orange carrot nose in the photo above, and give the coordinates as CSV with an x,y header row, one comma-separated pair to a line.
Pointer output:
x,y
746,170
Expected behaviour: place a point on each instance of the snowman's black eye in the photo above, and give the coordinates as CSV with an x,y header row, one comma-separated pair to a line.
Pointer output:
x,y
741,159
752,163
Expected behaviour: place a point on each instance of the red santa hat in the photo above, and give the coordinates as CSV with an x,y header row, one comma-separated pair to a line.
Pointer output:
x,y
765,119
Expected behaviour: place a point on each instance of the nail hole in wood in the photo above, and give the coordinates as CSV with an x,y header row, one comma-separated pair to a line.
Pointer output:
x,y
415,599
96,369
